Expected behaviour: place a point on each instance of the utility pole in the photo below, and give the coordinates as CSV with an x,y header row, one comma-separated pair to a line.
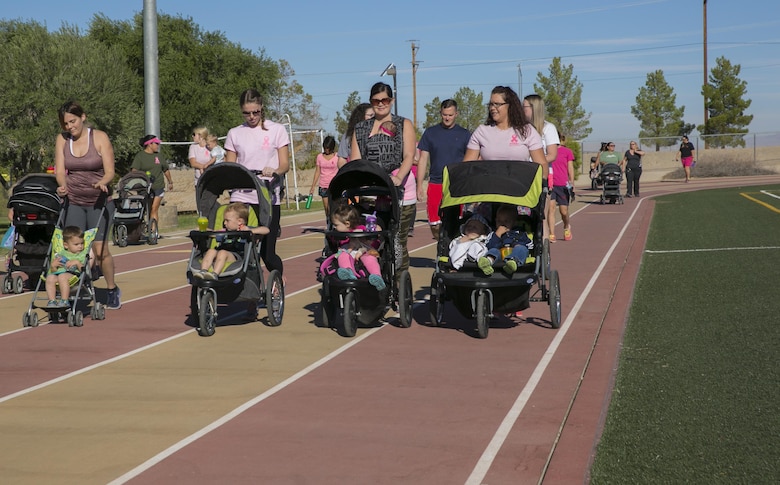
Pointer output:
x,y
706,111
519,81
151,70
415,48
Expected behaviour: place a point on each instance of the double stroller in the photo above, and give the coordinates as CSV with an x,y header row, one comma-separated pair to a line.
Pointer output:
x,y
36,211
610,178
243,280
132,216
347,303
475,295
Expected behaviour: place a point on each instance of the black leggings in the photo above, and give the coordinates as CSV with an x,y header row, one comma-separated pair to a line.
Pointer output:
x,y
268,245
632,180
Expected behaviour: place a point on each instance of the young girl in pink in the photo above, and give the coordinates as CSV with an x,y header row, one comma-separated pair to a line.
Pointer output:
x,y
346,218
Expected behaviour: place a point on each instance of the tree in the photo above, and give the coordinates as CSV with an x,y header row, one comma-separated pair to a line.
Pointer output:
x,y
661,122
341,120
562,94
471,109
724,99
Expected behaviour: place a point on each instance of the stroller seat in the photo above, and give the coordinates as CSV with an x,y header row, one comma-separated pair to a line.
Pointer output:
x,y
237,266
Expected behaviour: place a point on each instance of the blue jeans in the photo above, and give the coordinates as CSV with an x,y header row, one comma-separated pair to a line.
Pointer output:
x,y
519,254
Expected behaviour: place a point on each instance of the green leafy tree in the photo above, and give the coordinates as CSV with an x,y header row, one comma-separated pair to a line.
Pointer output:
x,y
562,94
41,71
660,120
724,97
341,120
471,109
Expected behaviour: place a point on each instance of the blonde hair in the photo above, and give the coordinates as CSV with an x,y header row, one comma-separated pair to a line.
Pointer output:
x,y
537,106
202,131
240,210
213,138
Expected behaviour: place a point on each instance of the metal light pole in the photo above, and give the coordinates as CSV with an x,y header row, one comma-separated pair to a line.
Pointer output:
x,y
151,70
390,71
519,81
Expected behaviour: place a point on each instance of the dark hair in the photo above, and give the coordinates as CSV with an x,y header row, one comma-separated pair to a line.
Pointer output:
x,y
346,212
474,225
356,117
251,95
70,107
381,87
329,144
142,141
449,103
70,232
517,119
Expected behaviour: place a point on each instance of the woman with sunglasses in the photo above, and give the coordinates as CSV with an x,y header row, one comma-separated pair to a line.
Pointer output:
x,y
395,154
260,144
608,156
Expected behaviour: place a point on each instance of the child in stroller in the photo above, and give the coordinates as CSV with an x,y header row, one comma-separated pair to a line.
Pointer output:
x,y
506,244
230,250
65,266
346,218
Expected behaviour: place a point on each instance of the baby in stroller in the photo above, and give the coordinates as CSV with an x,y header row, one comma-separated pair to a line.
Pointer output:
x,y
65,266
229,250
346,218
506,244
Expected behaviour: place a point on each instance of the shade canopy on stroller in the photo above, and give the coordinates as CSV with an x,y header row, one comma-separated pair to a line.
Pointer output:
x,y
367,178
134,183
36,194
504,181
231,176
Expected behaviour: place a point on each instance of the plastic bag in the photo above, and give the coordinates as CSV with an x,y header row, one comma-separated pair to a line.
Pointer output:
x,y
8,238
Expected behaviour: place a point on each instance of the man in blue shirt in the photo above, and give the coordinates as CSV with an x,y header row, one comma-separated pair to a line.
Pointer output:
x,y
443,144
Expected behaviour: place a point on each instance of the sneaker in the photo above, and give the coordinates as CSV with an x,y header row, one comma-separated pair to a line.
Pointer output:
x,y
63,303
208,275
552,238
567,234
113,302
377,281
629,195
197,273
510,266
485,265
519,314
53,304
345,274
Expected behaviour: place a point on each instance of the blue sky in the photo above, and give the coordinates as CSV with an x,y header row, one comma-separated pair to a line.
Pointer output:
x,y
339,47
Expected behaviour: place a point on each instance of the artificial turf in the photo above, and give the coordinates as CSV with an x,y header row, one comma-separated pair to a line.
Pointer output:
x,y
697,393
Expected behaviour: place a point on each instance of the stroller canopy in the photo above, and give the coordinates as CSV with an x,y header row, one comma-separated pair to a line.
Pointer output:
x,y
38,191
231,176
507,181
369,179
134,181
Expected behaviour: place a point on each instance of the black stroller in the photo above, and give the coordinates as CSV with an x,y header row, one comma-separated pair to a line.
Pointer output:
x,y
474,294
243,280
36,211
611,176
345,303
132,217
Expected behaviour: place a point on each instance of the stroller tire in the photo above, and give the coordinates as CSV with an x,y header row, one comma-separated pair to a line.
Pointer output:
x,y
274,298
405,299
554,299
483,314
207,314
121,235
8,285
349,315
436,301
18,285
326,312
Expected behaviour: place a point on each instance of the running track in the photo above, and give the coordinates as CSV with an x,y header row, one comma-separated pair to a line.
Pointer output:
x,y
141,398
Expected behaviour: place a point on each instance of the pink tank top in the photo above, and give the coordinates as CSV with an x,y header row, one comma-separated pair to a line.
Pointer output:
x,y
83,172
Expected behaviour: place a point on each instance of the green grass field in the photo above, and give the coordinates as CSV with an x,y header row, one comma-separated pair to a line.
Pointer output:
x,y
697,394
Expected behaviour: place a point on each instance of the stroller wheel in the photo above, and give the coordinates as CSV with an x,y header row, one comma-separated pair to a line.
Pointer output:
x,y
326,312
18,285
349,315
483,314
207,314
554,299
405,299
121,235
274,299
8,284
436,302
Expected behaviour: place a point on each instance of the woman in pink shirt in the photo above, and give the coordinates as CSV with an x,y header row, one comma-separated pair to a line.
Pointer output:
x,y
262,145
327,166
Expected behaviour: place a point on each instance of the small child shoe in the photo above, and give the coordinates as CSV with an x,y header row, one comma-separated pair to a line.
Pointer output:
x,y
53,304
376,281
552,238
510,266
567,234
197,273
63,303
345,274
485,265
208,275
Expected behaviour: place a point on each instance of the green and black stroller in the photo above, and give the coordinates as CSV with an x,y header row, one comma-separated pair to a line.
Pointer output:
x,y
243,280
480,187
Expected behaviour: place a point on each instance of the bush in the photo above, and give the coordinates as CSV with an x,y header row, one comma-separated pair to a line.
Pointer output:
x,y
722,163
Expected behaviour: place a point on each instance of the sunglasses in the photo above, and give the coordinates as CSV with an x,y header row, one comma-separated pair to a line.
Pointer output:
x,y
496,105
383,101
251,113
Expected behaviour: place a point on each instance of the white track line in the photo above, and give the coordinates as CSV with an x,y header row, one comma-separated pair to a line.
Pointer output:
x,y
486,460
770,194
708,250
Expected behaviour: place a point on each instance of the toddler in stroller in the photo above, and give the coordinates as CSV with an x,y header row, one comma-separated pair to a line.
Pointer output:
x,y
240,278
347,301
65,266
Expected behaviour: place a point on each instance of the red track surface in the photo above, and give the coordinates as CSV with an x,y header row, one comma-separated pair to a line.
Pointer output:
x,y
140,397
